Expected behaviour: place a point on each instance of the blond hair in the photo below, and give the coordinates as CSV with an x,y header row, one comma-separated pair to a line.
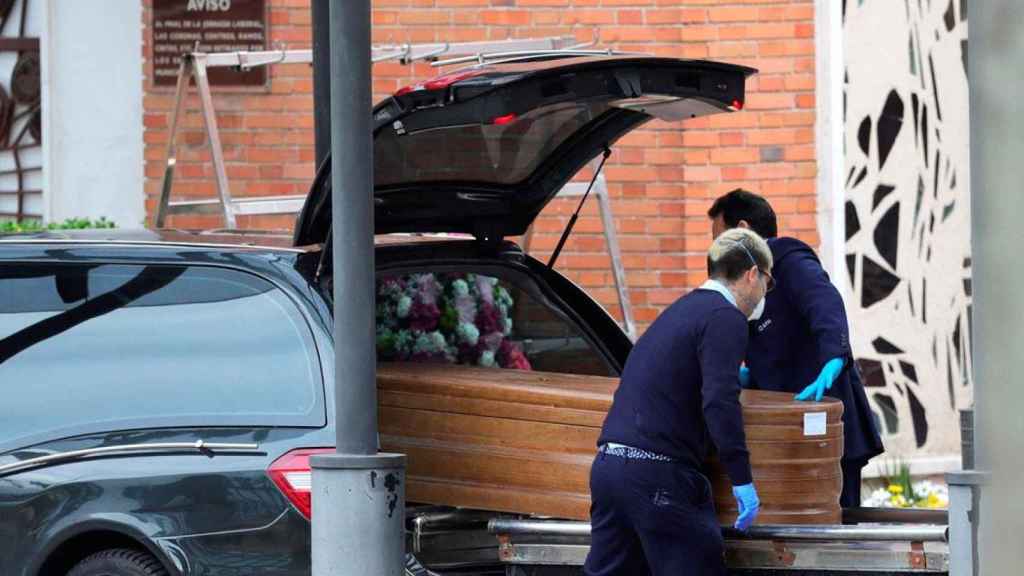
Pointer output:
x,y
735,251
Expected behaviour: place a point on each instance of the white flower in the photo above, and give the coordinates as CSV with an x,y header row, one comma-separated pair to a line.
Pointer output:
x,y
468,333
424,344
438,341
404,304
487,359
880,498
460,288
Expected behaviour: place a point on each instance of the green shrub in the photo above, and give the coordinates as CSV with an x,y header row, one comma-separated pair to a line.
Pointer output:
x,y
13,226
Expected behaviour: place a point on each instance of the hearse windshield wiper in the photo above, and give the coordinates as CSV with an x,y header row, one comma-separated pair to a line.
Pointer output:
x,y
199,446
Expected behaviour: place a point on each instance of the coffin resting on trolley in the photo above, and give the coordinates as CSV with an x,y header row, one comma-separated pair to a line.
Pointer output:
x,y
523,442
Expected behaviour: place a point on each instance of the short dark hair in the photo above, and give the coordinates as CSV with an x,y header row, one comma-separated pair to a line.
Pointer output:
x,y
741,204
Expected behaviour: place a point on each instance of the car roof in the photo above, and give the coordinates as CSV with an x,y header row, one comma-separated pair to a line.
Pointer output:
x,y
275,240
257,240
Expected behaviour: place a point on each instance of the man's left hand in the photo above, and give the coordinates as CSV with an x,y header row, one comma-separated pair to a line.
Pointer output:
x,y
744,377
823,382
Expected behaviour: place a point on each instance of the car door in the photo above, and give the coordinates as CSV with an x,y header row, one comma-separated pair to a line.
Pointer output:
x,y
112,372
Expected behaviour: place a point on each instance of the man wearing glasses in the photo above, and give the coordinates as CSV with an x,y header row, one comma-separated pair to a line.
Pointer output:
x,y
652,510
801,343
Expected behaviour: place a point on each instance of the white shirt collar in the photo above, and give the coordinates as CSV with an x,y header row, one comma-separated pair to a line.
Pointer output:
x,y
715,285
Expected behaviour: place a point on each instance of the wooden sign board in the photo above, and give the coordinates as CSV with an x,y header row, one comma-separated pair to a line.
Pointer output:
x,y
183,26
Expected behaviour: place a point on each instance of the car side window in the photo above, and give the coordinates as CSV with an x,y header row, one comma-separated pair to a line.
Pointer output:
x,y
90,345
478,319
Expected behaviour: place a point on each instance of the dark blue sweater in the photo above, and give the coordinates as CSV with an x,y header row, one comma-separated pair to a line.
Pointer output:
x,y
680,391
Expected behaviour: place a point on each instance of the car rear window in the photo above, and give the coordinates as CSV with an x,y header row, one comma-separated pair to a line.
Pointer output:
x,y
99,347
506,151
478,319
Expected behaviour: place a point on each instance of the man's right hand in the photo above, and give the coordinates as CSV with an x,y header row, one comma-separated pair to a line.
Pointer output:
x,y
749,504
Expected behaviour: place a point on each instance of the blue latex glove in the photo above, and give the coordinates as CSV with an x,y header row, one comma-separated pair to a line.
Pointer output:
x,y
744,377
823,382
749,504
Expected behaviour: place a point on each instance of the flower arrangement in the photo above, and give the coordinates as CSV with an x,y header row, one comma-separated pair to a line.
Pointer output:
x,y
456,318
900,492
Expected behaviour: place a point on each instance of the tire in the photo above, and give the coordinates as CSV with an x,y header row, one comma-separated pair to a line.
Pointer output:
x,y
119,562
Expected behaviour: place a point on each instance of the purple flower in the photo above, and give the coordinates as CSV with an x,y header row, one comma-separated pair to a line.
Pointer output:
x,y
485,287
424,317
488,319
466,307
428,288
511,356
491,341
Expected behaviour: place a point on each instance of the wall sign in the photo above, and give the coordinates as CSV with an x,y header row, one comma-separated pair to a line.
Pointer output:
x,y
217,26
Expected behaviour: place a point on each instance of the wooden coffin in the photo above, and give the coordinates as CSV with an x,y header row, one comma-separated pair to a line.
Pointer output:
x,y
795,449
523,442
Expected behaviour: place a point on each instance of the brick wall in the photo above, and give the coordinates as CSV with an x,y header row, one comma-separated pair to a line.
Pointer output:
x,y
662,178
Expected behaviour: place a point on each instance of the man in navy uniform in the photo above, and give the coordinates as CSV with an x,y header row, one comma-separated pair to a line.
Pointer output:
x,y
652,511
801,343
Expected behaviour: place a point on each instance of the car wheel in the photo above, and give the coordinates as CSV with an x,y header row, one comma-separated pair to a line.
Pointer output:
x,y
119,562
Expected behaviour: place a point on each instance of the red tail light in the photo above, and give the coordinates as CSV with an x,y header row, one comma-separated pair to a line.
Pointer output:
x,y
440,82
504,120
447,80
294,478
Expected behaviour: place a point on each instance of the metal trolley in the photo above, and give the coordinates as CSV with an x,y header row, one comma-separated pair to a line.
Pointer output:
x,y
871,541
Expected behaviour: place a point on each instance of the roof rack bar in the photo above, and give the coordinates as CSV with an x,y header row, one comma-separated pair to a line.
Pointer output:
x,y
413,52
404,52
246,60
482,57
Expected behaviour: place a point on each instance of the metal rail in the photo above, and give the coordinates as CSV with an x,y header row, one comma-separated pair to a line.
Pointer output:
x,y
824,533
844,533
198,445
860,515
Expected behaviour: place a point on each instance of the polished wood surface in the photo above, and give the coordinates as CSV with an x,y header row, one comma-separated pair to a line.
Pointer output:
x,y
798,477
517,441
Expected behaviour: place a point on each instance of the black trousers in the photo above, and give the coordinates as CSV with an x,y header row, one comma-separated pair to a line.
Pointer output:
x,y
850,496
651,517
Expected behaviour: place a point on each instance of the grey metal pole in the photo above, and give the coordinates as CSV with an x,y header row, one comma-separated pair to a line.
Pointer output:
x,y
996,57
321,78
358,494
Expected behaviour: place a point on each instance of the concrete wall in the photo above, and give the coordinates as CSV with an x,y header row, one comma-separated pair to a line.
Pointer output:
x,y
92,111
908,258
